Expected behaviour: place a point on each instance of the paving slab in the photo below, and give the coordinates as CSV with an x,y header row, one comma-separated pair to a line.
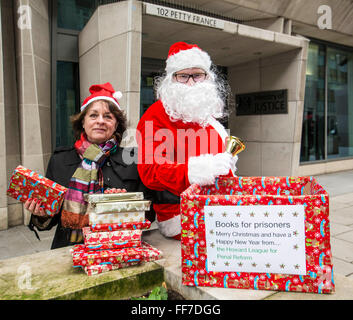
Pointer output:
x,y
337,183
344,291
342,249
342,267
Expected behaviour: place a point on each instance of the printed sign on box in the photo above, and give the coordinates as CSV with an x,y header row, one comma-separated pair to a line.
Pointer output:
x,y
255,239
268,233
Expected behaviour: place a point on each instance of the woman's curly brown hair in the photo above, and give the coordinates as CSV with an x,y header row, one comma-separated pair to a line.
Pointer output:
x,y
77,120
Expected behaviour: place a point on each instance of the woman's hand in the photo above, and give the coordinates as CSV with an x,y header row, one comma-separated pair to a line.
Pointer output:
x,y
35,207
114,190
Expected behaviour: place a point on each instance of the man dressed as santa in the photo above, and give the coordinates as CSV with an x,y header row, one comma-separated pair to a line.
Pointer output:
x,y
180,140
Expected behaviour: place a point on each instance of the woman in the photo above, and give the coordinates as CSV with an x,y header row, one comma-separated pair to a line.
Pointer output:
x,y
93,165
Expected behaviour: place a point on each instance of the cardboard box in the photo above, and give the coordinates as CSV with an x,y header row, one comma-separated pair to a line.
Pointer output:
x,y
267,233
25,184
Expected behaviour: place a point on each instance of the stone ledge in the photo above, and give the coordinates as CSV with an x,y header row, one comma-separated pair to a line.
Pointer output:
x,y
51,275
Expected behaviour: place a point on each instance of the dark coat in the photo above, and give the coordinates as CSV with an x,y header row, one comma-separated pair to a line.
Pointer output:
x,y
116,174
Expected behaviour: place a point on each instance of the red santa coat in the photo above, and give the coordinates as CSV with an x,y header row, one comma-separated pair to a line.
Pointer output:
x,y
164,149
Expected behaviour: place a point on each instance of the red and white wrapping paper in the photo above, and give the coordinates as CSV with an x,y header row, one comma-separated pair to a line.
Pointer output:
x,y
100,268
26,183
82,257
111,239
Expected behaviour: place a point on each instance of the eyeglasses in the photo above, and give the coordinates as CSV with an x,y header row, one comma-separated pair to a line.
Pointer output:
x,y
184,77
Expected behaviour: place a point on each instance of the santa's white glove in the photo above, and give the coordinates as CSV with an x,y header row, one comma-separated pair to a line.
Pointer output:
x,y
204,169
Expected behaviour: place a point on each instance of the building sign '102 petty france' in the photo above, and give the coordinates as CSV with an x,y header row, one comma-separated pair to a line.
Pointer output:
x,y
183,16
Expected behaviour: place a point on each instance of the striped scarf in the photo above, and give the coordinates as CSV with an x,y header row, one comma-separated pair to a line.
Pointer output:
x,y
87,178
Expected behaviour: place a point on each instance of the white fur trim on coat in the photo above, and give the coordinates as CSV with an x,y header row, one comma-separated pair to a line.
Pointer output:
x,y
219,128
170,227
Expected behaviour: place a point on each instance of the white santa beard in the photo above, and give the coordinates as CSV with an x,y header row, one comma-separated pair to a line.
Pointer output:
x,y
196,103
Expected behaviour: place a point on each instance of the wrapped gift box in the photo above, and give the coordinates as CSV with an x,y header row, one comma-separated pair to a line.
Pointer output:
x,y
82,257
216,246
111,239
25,184
144,225
100,268
113,197
119,206
114,218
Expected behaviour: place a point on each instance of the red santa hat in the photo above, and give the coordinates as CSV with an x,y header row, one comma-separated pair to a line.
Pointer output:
x,y
183,56
102,92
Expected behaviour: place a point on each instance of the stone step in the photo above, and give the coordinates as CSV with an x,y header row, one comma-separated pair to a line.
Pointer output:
x,y
51,275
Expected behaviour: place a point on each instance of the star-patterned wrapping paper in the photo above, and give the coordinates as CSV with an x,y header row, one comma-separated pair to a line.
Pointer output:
x,y
111,239
113,197
117,217
144,225
263,192
26,183
119,206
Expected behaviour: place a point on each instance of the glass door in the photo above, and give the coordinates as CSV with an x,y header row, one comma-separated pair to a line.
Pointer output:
x,y
68,18
339,104
313,132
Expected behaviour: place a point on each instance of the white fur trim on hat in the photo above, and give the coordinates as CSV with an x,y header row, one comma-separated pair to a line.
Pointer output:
x,y
191,58
100,98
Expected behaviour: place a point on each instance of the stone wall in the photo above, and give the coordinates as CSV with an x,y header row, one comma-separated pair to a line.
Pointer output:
x,y
110,51
272,141
25,115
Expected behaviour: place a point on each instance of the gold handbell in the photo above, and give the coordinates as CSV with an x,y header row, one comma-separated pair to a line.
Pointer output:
x,y
234,145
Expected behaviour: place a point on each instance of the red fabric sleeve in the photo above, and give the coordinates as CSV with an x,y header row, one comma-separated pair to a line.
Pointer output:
x,y
158,172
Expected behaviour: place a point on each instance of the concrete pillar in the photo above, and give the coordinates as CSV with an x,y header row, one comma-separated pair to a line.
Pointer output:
x,y
33,76
3,176
110,51
272,24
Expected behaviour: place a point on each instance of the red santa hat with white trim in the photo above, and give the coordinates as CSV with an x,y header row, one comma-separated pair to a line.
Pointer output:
x,y
182,55
102,92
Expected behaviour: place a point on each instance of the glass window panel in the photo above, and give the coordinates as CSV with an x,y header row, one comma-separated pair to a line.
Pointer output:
x,y
67,101
313,132
150,69
74,14
339,103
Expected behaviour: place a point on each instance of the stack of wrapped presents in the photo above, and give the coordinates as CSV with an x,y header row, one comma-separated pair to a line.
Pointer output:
x,y
113,238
